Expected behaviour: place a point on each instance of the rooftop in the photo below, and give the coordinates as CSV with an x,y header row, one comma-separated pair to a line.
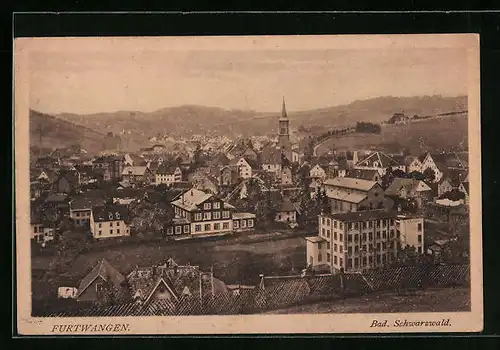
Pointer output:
x,y
347,182
367,215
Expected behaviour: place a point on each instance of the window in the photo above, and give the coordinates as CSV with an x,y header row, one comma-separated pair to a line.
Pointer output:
x,y
334,247
186,228
117,215
356,263
111,231
322,221
216,215
328,259
335,235
371,247
356,238
110,216
364,261
118,231
349,263
178,230
341,238
78,214
378,234
225,225
363,248
250,222
419,238
384,234
100,232
236,224
327,233
356,249
319,245
225,214
197,228
349,238
349,250
170,230
356,226
370,224
217,226
207,227
364,224
323,231
207,216
111,224
334,224
197,217
341,262
364,236
419,228
335,259
98,287
378,259
340,249
378,223
328,222
207,206
36,229
392,233
319,257
383,246
341,226
420,250
378,246
217,205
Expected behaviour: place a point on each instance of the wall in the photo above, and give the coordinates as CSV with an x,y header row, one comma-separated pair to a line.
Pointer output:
x,y
105,229
409,233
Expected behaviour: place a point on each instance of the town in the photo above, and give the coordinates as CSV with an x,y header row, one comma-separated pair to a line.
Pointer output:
x,y
351,214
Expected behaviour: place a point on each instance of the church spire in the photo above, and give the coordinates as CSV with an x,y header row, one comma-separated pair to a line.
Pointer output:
x,y
283,110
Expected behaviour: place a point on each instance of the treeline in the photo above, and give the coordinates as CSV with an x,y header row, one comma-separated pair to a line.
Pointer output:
x,y
368,128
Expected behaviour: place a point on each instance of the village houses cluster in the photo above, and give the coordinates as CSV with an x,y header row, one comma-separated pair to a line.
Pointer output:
x,y
372,203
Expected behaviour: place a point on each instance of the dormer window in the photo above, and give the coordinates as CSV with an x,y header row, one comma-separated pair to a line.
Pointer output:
x,y
117,214
110,216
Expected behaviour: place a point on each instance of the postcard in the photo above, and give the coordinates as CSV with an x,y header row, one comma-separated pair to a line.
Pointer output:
x,y
248,185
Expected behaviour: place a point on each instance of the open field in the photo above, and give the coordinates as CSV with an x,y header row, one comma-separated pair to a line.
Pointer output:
x,y
430,134
233,261
428,300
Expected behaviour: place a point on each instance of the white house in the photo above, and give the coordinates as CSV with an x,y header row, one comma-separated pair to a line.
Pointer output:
x,y
317,172
109,221
168,175
436,163
244,167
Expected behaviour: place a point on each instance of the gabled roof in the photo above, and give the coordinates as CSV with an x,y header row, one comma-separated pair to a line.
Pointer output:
x,y
167,169
86,202
110,212
190,199
103,270
270,155
383,160
56,198
364,174
347,182
286,205
364,215
398,184
134,170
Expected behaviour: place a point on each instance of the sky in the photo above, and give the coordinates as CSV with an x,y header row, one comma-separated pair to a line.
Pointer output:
x,y
91,77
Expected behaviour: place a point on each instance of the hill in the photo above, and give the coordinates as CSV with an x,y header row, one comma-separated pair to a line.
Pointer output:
x,y
419,136
47,131
191,119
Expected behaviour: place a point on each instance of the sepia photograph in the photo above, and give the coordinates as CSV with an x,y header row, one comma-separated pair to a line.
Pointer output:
x,y
259,184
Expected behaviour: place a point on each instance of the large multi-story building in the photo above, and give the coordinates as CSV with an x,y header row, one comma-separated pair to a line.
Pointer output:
x,y
110,221
358,241
197,212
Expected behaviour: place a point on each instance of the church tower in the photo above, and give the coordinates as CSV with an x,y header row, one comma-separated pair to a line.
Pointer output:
x,y
284,133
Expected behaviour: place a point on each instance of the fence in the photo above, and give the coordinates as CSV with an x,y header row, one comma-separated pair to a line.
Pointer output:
x,y
282,292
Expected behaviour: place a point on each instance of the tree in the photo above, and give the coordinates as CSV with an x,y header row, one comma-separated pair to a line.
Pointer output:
x,y
150,219
429,174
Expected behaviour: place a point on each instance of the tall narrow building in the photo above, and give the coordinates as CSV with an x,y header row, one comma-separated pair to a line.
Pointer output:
x,y
284,134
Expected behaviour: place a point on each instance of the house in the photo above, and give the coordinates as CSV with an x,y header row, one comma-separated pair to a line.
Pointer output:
x,y
379,161
137,175
317,172
358,241
286,212
364,174
315,186
228,176
57,203
111,220
243,221
41,232
168,174
451,180
435,162
398,118
244,167
416,190
202,213
350,194
286,175
112,166
101,280
207,183
271,160
47,176
80,209
66,182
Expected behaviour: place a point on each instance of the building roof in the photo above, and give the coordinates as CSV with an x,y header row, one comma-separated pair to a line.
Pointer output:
x,y
167,169
238,216
364,174
110,212
315,239
86,202
347,182
363,215
398,184
382,160
190,199
134,170
270,155
104,270
56,198
286,205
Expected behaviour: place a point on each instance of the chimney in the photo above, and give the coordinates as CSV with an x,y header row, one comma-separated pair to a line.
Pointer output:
x,y
304,273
